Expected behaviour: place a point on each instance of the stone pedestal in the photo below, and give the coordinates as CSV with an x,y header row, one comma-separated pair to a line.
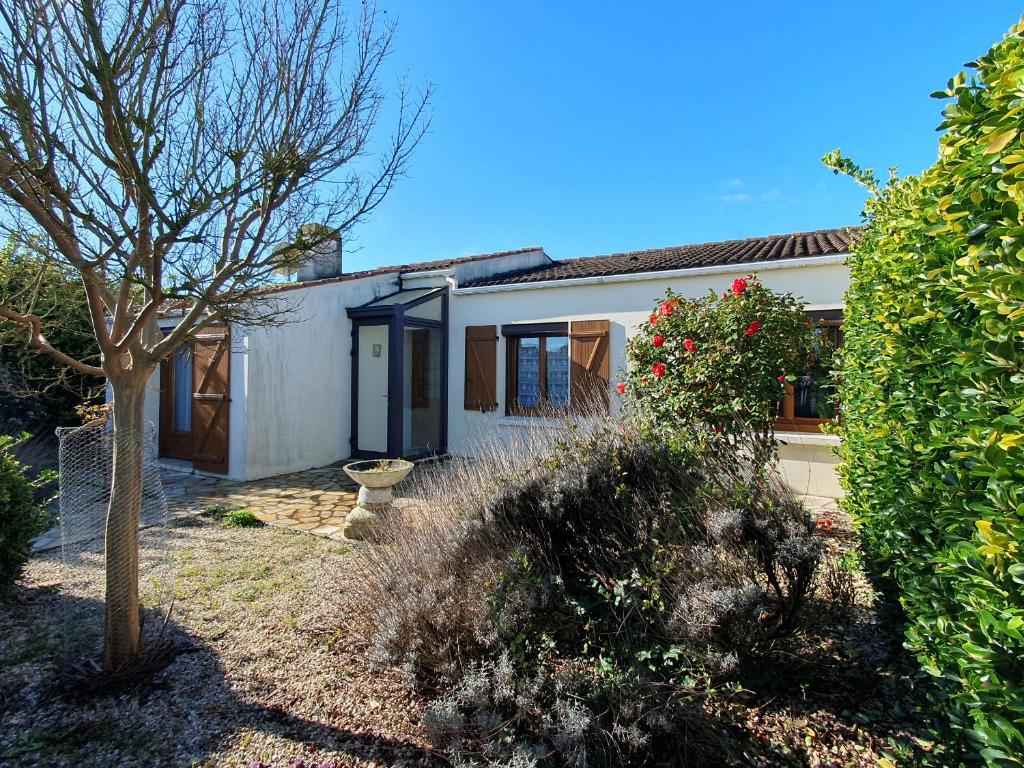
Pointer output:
x,y
374,503
363,521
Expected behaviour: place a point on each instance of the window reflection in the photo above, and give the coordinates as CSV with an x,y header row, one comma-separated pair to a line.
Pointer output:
x,y
528,372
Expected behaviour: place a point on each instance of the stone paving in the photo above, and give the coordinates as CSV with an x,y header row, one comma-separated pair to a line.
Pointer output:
x,y
316,500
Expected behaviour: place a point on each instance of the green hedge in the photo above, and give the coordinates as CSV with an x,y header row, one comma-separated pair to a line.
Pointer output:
x,y
932,376
21,518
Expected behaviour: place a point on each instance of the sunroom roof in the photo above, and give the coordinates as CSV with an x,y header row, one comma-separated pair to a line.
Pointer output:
x,y
402,297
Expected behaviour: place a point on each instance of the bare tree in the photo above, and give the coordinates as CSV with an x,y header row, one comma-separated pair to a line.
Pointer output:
x,y
170,151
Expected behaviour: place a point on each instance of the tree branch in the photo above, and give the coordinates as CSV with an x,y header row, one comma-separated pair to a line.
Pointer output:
x,y
38,342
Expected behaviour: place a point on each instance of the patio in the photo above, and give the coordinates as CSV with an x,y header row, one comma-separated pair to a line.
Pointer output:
x,y
315,500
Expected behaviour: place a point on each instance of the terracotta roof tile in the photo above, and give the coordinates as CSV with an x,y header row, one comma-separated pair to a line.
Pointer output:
x,y
754,250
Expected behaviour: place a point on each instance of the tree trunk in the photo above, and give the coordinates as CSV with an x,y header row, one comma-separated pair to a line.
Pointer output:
x,y
121,637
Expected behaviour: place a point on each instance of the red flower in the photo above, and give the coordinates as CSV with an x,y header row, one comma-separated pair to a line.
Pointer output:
x,y
753,328
739,285
725,294
667,307
825,523
620,388
658,341
718,430
782,378
690,345
653,320
658,369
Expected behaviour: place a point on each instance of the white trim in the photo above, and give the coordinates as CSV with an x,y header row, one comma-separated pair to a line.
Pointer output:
x,y
807,438
535,422
766,266
428,273
820,307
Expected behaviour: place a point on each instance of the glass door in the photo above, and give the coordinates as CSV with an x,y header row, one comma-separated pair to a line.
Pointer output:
x,y
421,411
399,374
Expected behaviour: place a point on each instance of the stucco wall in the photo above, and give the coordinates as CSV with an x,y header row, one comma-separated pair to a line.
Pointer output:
x,y
626,305
297,403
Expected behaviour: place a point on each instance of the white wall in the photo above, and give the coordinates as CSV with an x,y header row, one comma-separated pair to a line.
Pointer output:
x,y
627,305
297,383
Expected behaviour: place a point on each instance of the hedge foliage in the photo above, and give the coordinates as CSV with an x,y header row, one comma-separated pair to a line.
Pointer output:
x,y
35,388
932,375
21,518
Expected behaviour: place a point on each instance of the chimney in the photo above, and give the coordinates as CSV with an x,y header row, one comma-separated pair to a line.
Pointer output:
x,y
323,258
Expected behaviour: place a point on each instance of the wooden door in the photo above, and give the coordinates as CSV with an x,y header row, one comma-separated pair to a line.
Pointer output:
x,y
211,400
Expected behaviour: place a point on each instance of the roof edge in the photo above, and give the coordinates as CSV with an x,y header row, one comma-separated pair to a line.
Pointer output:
x,y
402,269
662,274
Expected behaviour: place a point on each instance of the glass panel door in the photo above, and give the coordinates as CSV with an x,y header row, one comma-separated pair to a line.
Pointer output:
x,y
372,389
421,411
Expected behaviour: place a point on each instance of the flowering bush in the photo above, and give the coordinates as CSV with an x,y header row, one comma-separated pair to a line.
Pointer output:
x,y
720,364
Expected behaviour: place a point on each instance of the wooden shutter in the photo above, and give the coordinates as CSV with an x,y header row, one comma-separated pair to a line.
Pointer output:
x,y
211,400
481,392
589,365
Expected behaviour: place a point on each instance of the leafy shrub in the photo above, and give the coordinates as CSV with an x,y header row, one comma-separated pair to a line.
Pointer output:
x,y
21,518
240,518
576,603
933,400
720,362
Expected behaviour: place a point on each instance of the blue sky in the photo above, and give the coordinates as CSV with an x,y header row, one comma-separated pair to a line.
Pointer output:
x,y
597,127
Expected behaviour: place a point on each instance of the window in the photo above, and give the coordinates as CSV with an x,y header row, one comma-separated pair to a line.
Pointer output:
x,y
809,402
182,408
538,368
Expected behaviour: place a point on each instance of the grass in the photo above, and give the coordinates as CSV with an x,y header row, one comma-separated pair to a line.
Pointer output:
x,y
282,673
233,518
244,578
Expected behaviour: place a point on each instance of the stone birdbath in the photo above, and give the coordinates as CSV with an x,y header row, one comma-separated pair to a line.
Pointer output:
x,y
376,477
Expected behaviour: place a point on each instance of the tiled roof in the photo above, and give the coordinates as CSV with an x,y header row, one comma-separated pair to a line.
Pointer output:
x,y
754,250
418,266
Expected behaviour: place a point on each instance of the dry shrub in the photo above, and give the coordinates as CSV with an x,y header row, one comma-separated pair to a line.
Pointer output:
x,y
838,586
570,596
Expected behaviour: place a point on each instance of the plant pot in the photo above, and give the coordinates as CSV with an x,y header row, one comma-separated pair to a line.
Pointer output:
x,y
376,477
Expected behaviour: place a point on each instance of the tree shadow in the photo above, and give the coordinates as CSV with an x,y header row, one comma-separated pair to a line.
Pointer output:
x,y
850,663
181,715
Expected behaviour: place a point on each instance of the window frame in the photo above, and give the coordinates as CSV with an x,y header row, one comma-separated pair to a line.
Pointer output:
x,y
542,331
787,420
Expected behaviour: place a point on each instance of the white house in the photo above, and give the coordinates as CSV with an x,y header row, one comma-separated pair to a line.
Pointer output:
x,y
414,359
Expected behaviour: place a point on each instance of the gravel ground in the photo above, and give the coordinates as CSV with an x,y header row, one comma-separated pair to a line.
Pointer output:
x,y
275,679
280,680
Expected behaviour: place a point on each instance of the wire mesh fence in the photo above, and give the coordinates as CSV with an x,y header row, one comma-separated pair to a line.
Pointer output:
x,y
86,461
